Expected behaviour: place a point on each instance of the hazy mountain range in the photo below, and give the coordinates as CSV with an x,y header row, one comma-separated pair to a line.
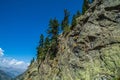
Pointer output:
x,y
12,72
10,68
7,73
4,76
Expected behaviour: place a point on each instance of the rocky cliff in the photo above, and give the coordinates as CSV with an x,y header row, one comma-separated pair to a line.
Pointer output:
x,y
91,51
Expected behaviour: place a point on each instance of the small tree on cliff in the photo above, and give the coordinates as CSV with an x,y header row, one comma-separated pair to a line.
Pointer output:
x,y
40,49
53,32
46,44
74,22
41,42
53,29
78,14
85,6
65,22
32,60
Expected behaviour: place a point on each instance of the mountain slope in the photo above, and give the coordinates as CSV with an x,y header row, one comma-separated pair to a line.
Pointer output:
x,y
4,76
91,51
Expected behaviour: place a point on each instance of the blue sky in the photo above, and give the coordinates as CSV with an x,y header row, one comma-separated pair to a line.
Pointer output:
x,y
22,22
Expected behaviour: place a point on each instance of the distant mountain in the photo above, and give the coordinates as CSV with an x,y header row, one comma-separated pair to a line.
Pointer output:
x,y
4,76
13,72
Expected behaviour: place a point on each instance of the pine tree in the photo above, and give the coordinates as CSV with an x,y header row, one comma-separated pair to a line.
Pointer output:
x,y
92,0
40,49
46,45
32,60
65,22
53,32
78,14
41,42
47,42
85,6
74,21
53,28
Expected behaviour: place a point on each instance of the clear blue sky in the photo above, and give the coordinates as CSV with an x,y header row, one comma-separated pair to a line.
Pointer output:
x,y
22,22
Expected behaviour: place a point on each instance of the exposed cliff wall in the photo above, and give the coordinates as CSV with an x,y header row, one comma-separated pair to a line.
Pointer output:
x,y
91,51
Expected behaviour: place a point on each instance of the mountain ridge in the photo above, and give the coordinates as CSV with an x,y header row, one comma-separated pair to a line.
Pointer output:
x,y
91,51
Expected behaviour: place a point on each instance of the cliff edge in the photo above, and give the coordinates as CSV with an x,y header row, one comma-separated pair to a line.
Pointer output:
x,y
91,51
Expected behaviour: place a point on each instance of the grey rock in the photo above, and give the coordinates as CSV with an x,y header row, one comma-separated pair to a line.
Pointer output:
x,y
91,51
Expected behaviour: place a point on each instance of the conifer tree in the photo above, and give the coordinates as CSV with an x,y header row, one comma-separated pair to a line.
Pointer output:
x,y
53,32
92,0
32,61
41,42
47,41
85,6
53,28
74,22
65,22
78,14
40,49
46,44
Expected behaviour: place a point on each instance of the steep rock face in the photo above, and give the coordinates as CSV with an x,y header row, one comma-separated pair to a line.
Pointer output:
x,y
91,51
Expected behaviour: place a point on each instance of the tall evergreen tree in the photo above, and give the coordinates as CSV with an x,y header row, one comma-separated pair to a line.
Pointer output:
x,y
53,32
53,28
92,0
85,6
40,49
78,14
47,41
74,22
41,42
46,44
32,61
65,22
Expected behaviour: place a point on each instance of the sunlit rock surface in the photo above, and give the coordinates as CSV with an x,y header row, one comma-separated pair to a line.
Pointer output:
x,y
91,51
